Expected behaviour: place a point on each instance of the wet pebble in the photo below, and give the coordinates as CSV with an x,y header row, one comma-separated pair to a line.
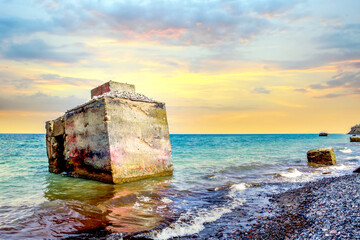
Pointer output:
x,y
328,208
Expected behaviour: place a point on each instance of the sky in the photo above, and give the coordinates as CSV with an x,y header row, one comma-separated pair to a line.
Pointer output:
x,y
221,66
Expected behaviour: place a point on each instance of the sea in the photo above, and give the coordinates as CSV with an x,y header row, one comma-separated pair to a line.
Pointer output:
x,y
220,183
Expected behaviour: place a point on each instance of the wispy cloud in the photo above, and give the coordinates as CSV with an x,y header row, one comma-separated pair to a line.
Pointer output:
x,y
172,22
261,90
40,50
57,79
347,80
341,37
21,82
15,26
14,80
38,102
331,95
303,90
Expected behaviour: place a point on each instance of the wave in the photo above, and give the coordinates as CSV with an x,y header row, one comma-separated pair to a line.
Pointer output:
x,y
239,186
191,223
291,173
353,158
166,200
345,150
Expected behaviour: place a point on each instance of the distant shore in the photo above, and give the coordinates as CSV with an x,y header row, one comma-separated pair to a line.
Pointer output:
x,y
324,209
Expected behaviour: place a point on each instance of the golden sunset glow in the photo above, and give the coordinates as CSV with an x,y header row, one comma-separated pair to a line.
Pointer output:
x,y
238,67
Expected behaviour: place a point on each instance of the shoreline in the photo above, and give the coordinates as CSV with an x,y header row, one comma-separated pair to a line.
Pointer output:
x,y
324,209
327,208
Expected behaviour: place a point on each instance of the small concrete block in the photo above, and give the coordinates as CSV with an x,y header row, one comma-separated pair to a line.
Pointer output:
x,y
110,87
321,156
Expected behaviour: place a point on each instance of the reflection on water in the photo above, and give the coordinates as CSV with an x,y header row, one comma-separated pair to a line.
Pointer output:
x,y
125,208
76,205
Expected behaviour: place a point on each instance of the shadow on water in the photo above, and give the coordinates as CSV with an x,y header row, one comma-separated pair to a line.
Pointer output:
x,y
78,208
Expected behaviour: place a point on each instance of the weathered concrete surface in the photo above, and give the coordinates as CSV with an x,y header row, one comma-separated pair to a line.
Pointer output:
x,y
139,139
354,139
87,143
112,140
110,87
321,156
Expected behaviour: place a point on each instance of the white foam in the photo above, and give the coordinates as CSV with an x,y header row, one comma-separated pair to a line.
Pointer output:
x,y
291,173
166,200
239,186
345,150
182,227
341,167
353,157
190,223
144,199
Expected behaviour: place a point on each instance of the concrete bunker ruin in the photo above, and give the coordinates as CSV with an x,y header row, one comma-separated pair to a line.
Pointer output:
x,y
118,136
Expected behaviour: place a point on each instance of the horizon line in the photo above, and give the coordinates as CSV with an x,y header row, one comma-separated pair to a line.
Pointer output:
x,y
214,133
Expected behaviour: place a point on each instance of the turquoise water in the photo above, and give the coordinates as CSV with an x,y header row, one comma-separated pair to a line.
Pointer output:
x,y
214,176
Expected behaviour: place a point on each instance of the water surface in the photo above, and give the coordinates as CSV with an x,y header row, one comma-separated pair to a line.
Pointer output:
x,y
218,180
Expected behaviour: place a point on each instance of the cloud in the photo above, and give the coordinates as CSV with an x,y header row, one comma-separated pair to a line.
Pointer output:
x,y
331,95
219,108
318,86
17,81
325,46
57,79
272,8
39,50
39,102
346,81
349,80
11,79
171,22
261,90
303,90
14,26
177,22
342,37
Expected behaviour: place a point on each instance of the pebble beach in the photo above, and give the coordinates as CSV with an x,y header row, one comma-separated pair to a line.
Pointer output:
x,y
323,209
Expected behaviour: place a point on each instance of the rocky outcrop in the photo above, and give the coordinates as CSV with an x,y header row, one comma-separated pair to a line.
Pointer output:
x,y
111,139
357,170
321,156
355,129
355,139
